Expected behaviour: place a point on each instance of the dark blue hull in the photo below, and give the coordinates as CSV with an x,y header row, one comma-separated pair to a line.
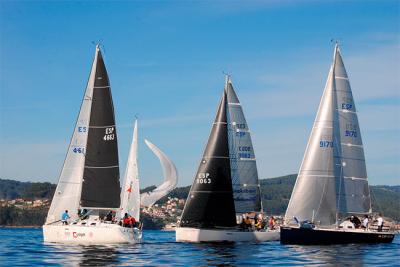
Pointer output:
x,y
301,236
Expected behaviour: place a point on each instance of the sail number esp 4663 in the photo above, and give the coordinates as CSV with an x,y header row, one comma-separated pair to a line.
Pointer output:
x,y
109,134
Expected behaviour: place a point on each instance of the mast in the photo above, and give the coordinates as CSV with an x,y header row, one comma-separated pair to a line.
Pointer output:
x,y
100,186
130,193
210,200
68,191
246,187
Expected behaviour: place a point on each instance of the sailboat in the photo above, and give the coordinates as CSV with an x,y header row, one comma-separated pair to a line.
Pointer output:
x,y
89,179
332,182
226,182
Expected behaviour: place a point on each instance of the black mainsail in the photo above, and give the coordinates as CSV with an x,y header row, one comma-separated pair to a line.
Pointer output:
x,y
100,186
210,201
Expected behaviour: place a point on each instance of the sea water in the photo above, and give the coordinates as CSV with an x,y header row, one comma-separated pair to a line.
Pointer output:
x,y
25,247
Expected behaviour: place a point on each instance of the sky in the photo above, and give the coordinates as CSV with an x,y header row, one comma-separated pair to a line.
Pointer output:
x,y
166,59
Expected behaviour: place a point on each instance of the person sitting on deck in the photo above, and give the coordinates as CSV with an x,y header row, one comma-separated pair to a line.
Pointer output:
x,y
259,225
380,223
271,223
126,221
109,216
64,217
365,222
247,223
355,221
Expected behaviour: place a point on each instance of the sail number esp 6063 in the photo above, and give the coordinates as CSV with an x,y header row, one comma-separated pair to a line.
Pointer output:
x,y
109,134
203,178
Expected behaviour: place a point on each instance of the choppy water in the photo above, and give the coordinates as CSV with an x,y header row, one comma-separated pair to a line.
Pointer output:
x,y
25,247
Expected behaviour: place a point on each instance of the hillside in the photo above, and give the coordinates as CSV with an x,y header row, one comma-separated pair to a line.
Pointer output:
x,y
276,194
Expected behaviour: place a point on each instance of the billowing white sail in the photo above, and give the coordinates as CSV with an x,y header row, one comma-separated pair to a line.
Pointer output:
x,y
170,178
68,191
130,193
246,189
332,179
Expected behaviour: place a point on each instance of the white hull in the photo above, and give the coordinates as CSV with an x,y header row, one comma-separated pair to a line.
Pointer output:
x,y
185,234
101,233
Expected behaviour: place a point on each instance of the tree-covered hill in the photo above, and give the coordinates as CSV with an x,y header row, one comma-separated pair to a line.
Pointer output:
x,y
276,194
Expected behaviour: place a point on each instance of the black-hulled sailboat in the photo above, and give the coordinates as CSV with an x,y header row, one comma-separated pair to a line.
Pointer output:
x,y
226,183
89,180
332,182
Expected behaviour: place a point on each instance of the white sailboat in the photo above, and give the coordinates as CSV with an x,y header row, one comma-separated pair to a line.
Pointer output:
x,y
89,179
332,182
226,183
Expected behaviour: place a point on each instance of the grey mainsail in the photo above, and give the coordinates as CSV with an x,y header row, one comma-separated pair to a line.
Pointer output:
x,y
332,178
246,189
354,190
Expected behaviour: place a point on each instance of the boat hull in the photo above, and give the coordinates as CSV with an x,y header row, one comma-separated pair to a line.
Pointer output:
x,y
99,234
303,236
186,234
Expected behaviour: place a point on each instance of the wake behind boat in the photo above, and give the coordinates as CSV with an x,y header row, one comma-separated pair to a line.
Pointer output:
x,y
226,183
331,189
89,180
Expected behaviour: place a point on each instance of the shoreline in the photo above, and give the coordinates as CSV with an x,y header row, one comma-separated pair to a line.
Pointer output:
x,y
20,226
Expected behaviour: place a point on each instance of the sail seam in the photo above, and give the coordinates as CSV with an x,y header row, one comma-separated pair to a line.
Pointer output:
x,y
215,157
105,167
341,78
100,127
102,86
234,104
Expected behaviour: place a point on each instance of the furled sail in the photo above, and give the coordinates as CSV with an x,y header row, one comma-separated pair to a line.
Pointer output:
x,y
130,193
100,186
210,200
68,191
332,176
170,178
246,189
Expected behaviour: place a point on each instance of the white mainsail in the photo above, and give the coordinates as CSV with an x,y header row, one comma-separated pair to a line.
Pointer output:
x,y
170,178
332,178
245,183
68,191
130,193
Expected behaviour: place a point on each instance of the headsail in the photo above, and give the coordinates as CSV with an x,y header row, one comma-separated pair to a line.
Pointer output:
x,y
68,191
170,178
130,193
246,189
210,200
332,177
100,187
